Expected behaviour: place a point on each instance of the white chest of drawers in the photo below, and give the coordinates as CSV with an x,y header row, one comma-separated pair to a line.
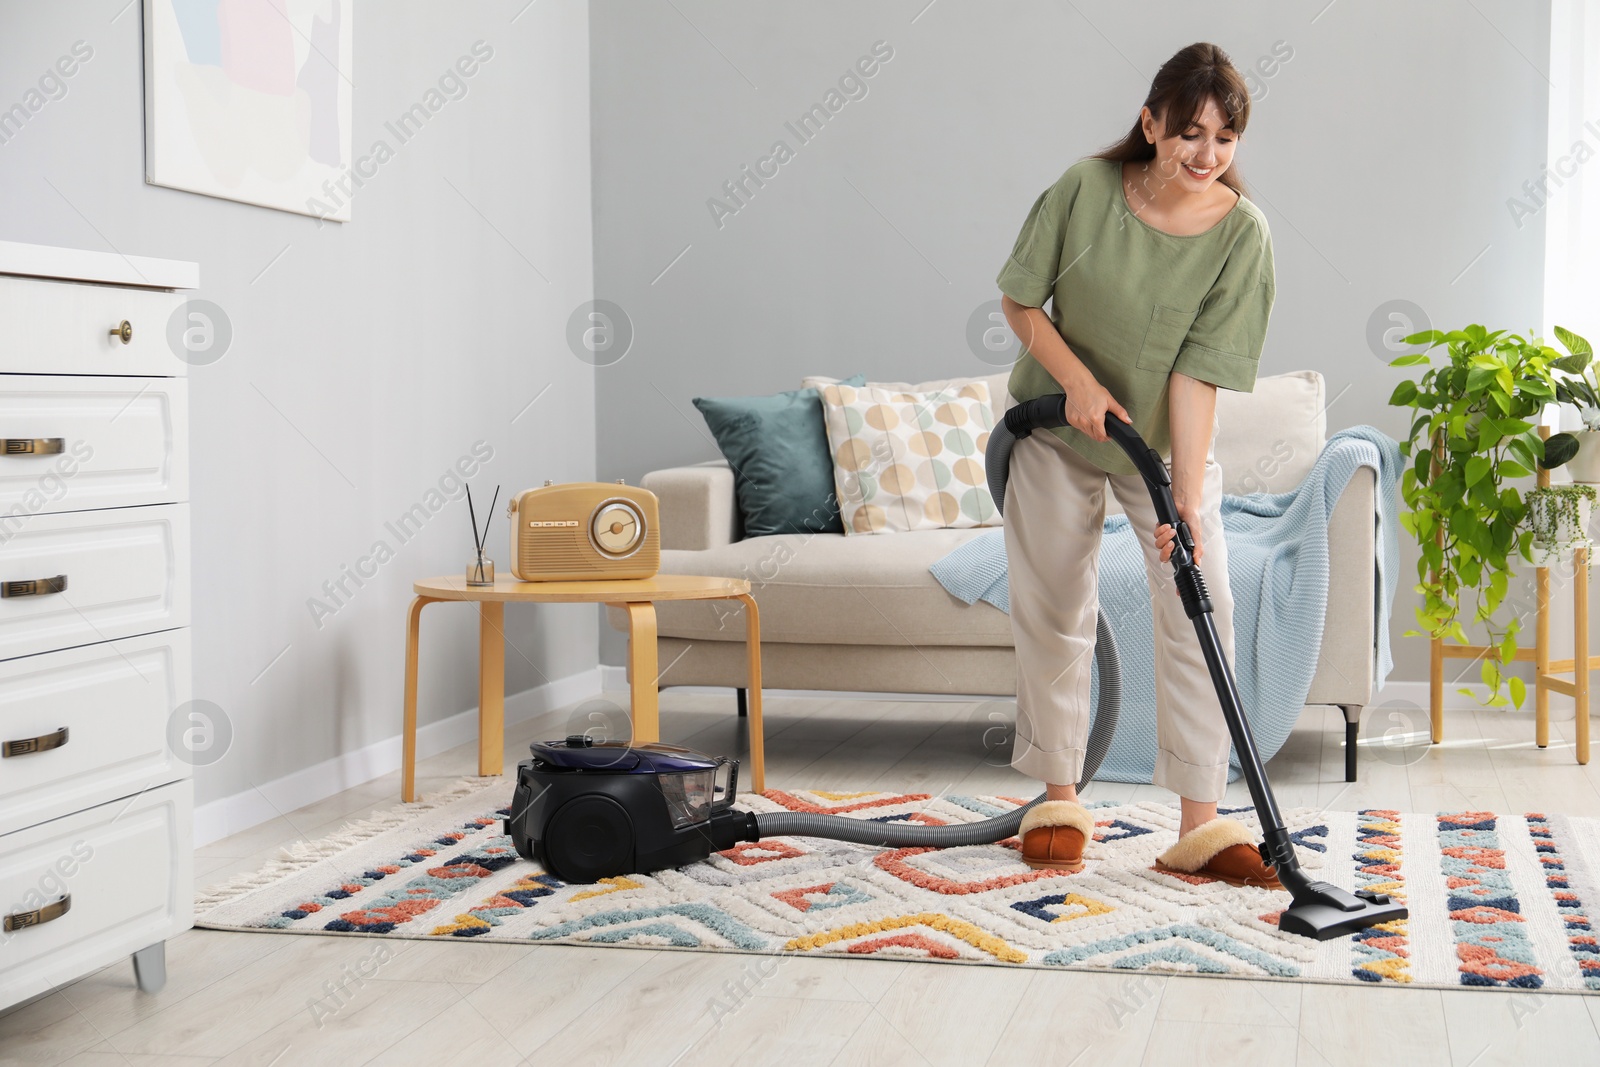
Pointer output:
x,y
96,800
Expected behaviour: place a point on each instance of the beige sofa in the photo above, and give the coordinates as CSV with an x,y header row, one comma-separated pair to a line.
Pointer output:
x,y
862,613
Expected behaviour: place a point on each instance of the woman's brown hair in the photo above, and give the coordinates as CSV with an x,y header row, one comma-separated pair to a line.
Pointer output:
x,y
1180,90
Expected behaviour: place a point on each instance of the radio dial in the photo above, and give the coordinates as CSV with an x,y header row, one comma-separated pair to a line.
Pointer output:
x,y
617,528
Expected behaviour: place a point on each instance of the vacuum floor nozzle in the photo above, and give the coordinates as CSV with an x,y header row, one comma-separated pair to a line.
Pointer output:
x,y
1322,911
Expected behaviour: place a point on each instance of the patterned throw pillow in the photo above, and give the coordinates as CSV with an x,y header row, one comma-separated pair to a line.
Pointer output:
x,y
906,461
997,382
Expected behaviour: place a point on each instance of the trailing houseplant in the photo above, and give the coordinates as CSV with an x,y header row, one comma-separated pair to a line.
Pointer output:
x,y
1581,449
1558,516
1474,431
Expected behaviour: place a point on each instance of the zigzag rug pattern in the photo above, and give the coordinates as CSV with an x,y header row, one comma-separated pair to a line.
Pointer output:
x,y
1497,900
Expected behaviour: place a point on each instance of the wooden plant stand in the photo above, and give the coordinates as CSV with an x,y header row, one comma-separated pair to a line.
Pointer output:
x,y
1547,671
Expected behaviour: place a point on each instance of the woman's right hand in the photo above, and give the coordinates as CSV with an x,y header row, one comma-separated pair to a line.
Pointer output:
x,y
1087,404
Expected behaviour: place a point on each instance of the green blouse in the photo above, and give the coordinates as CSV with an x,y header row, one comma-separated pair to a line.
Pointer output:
x,y
1135,303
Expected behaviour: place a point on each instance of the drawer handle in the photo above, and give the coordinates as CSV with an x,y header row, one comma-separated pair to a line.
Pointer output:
x,y
122,331
34,586
32,446
39,916
26,745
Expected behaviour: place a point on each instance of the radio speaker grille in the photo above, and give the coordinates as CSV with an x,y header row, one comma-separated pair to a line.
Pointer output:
x,y
564,553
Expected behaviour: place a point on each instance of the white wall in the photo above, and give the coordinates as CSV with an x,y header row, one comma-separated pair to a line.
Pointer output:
x,y
1567,200
367,359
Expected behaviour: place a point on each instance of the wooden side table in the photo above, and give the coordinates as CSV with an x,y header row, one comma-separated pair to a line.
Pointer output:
x,y
637,596
1547,671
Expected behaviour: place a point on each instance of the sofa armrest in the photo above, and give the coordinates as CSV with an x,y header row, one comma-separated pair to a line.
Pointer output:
x,y
698,507
1347,658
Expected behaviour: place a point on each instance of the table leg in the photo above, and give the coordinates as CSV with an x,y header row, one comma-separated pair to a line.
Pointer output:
x,y
758,750
408,743
1580,653
646,711
1436,689
491,687
1541,658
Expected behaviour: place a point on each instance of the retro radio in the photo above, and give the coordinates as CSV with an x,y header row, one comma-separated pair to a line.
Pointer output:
x,y
582,531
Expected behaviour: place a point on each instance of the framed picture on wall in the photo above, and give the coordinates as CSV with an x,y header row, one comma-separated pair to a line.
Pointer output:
x,y
250,100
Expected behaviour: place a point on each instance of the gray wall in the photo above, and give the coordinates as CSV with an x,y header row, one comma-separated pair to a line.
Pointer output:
x,y
1382,161
367,358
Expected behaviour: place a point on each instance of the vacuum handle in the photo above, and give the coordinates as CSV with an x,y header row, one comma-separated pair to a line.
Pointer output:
x,y
1042,412
1050,411
1150,464
732,789
1159,481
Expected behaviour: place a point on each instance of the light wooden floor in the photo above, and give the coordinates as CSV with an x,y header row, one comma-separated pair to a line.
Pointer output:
x,y
246,998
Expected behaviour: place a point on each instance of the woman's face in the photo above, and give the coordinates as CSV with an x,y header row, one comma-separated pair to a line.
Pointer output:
x,y
1197,156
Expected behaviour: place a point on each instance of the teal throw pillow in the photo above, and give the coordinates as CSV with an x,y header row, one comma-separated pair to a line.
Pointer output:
x,y
778,448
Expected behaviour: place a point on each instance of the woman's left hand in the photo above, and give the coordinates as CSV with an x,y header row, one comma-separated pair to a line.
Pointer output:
x,y
1165,533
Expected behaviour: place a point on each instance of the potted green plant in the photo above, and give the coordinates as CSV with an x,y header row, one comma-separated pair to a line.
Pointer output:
x,y
1474,431
1558,516
1581,450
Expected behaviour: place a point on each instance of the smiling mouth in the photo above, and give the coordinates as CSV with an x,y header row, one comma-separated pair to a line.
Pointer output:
x,y
1197,173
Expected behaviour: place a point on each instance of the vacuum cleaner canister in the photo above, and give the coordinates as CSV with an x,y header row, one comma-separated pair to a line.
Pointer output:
x,y
585,810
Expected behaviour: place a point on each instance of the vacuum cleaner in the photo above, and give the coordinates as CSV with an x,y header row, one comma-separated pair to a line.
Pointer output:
x,y
586,809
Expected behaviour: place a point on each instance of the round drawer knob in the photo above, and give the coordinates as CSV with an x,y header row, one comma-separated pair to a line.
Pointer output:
x,y
122,331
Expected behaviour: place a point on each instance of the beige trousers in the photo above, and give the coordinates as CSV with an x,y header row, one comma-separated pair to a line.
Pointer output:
x,y
1054,512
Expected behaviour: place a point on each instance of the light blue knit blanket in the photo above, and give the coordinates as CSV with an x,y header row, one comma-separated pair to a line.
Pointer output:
x,y
1278,573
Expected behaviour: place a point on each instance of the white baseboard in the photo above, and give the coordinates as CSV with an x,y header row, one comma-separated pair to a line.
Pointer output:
x,y
616,679
230,815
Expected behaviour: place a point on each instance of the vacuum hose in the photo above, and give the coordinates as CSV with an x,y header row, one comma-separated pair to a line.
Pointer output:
x,y
1319,909
1020,420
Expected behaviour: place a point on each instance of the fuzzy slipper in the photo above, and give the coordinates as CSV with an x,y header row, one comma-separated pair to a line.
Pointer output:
x,y
1054,833
1224,849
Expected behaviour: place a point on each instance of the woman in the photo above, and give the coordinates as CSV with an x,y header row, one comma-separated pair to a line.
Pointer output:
x,y
1161,278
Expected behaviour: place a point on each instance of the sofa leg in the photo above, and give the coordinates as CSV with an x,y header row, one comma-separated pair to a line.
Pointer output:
x,y
744,708
1352,731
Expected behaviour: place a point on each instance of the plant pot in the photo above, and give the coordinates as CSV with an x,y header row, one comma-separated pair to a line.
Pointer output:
x,y
1561,529
1555,528
1585,466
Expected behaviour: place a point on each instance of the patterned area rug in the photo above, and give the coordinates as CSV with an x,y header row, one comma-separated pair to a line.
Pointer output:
x,y
1500,901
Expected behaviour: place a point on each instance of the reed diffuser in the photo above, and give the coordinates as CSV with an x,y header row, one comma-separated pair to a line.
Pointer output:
x,y
480,571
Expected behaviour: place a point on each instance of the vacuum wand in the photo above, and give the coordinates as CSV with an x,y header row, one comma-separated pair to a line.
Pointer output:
x,y
1320,910
1197,605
